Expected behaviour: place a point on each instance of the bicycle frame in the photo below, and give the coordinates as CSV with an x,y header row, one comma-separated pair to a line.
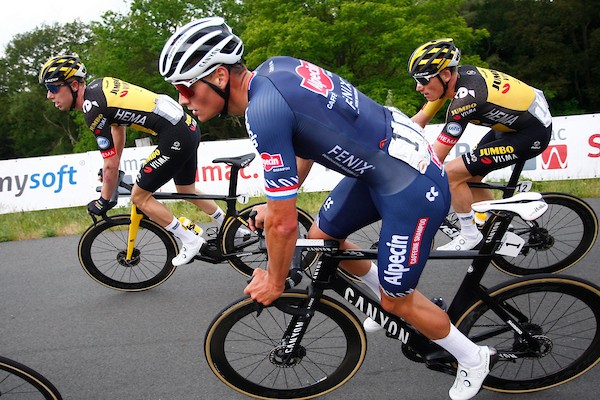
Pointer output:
x,y
325,276
236,163
449,227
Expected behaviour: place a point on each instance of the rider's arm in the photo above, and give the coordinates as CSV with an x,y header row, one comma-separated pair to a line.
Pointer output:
x,y
427,112
281,232
441,150
422,118
304,167
110,168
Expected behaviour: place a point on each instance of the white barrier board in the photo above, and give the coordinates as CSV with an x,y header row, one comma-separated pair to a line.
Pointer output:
x,y
70,180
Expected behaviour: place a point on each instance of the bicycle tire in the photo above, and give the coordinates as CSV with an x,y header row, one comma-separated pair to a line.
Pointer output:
x,y
562,312
242,349
250,256
565,234
18,381
103,246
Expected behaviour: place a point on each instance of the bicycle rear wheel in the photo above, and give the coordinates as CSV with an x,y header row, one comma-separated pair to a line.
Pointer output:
x,y
560,238
18,381
246,352
246,250
560,312
103,248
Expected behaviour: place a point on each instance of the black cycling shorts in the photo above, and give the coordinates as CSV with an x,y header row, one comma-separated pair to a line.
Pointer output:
x,y
175,157
500,149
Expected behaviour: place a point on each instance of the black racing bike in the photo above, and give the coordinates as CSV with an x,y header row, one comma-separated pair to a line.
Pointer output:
x,y
553,243
131,252
545,327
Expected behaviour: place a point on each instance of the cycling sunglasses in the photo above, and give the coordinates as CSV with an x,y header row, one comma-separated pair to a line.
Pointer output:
x,y
54,88
423,81
184,90
185,87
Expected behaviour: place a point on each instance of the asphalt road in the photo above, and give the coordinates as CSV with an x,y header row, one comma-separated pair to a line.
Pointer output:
x,y
97,343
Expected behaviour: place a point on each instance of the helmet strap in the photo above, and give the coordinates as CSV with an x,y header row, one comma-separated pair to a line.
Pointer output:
x,y
74,94
444,84
223,93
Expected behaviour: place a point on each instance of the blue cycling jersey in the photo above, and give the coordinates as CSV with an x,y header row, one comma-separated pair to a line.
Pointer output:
x,y
299,109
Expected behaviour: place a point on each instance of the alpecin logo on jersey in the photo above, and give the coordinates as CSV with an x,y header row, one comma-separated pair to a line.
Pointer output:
x,y
314,78
271,161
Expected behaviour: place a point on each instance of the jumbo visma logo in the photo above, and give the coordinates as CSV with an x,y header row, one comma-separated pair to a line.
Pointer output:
x,y
53,180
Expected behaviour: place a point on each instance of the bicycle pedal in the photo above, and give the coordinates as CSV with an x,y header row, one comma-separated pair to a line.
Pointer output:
x,y
212,232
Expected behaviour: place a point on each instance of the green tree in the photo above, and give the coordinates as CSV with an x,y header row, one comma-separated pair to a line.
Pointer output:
x,y
128,47
550,44
30,125
367,42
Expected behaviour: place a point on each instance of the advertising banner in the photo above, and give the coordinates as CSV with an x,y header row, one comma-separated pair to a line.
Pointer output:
x,y
71,180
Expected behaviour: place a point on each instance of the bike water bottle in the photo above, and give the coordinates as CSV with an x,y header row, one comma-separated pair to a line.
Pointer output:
x,y
481,218
189,225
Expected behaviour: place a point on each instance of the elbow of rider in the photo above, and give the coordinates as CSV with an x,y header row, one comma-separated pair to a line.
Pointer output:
x,y
284,228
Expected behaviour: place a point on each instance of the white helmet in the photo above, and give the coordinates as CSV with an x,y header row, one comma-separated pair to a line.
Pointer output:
x,y
197,49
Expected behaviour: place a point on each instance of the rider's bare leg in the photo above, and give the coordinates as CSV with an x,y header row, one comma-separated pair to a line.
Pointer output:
x,y
153,208
209,206
434,323
363,269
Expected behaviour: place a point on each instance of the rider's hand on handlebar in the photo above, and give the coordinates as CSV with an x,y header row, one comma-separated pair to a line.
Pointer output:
x,y
262,289
257,217
100,206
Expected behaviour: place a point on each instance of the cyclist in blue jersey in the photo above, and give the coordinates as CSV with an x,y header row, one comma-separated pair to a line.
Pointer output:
x,y
298,113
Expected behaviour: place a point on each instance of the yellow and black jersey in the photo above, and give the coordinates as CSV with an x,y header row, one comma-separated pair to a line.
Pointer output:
x,y
490,98
111,101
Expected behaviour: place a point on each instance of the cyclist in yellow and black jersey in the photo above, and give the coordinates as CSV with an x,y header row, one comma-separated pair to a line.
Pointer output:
x,y
516,113
109,106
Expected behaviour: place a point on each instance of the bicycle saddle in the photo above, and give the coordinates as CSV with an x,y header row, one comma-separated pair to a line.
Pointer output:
x,y
240,161
528,205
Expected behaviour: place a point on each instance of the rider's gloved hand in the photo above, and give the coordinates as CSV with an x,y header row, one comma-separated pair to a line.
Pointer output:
x,y
100,206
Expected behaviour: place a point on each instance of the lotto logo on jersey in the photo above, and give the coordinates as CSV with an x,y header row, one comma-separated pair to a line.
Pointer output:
x,y
314,78
555,157
271,161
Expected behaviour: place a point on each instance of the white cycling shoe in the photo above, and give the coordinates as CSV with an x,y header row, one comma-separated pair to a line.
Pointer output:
x,y
469,380
462,243
243,233
371,326
188,252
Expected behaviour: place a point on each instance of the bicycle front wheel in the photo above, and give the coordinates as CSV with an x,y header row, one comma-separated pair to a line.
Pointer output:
x,y
103,254
563,316
246,352
243,250
18,381
559,239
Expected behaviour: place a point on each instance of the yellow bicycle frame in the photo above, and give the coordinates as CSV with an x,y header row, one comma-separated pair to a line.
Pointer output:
x,y
134,226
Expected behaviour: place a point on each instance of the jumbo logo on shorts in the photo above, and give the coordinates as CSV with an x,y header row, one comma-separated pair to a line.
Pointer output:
x,y
314,78
271,161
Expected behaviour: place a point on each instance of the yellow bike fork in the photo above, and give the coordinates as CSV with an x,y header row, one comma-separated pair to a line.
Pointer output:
x,y
134,226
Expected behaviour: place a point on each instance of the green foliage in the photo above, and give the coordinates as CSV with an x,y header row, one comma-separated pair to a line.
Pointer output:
x,y
366,42
550,44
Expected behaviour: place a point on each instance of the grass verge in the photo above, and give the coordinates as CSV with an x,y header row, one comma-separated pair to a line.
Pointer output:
x,y
74,221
